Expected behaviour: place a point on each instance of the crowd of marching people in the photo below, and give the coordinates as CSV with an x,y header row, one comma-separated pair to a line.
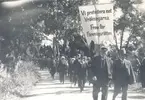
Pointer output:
x,y
101,70
76,69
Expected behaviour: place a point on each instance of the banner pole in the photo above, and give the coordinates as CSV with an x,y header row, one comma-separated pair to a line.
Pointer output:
x,y
94,3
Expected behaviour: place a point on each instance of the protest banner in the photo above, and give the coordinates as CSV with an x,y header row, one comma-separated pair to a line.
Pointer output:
x,y
97,22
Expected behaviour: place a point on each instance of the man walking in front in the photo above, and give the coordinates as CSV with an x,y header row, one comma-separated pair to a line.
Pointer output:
x,y
122,75
101,68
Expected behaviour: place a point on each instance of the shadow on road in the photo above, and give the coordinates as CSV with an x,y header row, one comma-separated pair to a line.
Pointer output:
x,y
57,93
61,92
69,87
137,97
48,84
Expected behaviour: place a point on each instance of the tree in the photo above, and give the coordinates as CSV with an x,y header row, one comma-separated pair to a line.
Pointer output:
x,y
131,21
62,20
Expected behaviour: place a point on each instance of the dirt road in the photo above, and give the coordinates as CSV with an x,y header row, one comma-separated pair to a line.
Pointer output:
x,y
48,89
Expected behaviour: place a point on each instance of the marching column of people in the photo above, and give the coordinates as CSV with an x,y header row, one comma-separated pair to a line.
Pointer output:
x,y
101,71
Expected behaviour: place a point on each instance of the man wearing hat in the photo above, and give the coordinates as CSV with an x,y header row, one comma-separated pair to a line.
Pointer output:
x,y
101,68
122,75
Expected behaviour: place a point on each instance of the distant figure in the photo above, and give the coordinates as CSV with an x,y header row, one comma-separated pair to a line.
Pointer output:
x,y
82,73
76,67
62,68
89,71
52,68
70,69
142,73
122,75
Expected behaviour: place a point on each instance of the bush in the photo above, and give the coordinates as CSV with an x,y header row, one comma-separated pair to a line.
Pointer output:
x,y
17,83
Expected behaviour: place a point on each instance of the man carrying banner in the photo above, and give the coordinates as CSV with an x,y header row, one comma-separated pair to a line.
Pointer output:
x,y
101,68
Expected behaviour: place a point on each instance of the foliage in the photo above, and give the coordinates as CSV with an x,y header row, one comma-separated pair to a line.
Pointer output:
x,y
131,21
61,18
19,82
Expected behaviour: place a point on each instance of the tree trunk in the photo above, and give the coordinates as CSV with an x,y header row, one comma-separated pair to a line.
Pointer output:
x,y
116,42
126,47
121,39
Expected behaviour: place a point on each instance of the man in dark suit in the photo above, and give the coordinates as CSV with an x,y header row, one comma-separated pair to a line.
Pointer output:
x,y
122,75
101,68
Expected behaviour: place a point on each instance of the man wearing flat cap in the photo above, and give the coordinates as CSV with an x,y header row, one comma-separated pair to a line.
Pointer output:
x,y
101,68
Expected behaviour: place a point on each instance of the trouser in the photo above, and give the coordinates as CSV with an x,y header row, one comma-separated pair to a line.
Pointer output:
x,y
61,76
71,77
81,83
52,73
89,77
118,88
96,89
75,79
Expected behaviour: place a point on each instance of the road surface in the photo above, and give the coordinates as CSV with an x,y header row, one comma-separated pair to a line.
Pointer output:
x,y
48,89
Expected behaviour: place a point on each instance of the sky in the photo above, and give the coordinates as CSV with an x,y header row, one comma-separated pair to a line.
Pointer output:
x,y
11,4
48,42
20,2
142,6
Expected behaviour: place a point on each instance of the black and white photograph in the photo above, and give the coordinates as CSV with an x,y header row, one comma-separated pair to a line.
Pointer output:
x,y
72,49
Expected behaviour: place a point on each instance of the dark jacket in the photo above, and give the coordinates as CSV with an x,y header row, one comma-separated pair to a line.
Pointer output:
x,y
123,72
62,67
79,69
103,73
76,66
82,70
